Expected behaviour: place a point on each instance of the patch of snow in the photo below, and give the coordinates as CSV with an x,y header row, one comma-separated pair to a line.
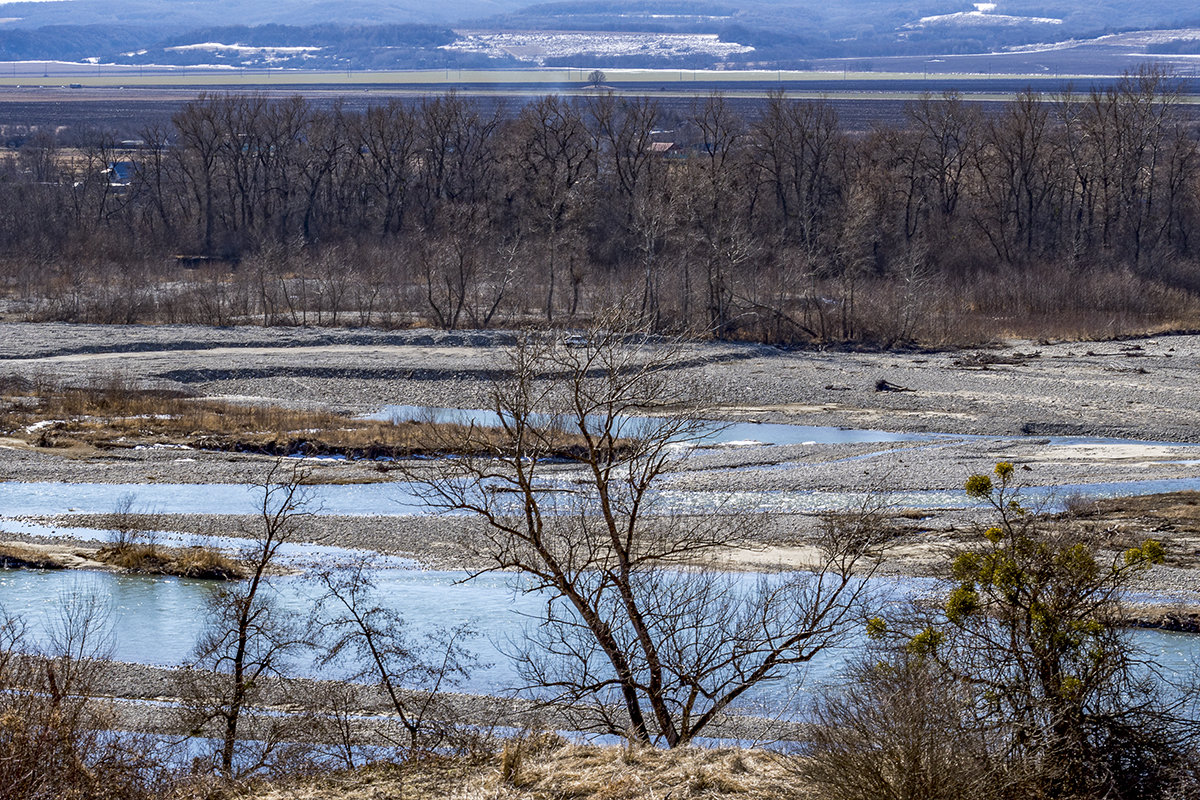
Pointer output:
x,y
242,49
978,17
46,423
537,47
1130,39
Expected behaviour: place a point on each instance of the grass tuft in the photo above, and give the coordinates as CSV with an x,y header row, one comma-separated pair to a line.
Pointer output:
x,y
185,562
16,556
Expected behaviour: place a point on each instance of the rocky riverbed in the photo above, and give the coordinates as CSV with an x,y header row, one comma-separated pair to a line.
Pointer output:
x,y
1142,389
1001,403
1011,402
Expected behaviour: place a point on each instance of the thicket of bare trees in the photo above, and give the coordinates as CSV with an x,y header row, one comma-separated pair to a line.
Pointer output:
x,y
779,226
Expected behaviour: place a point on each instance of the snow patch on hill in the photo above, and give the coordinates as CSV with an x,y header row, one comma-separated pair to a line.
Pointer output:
x,y
1133,39
537,47
241,49
984,14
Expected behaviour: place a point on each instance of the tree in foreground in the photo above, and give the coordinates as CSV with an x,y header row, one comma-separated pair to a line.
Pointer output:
x,y
248,639
641,634
1028,685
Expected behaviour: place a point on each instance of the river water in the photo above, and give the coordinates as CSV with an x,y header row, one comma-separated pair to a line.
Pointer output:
x,y
156,620
398,498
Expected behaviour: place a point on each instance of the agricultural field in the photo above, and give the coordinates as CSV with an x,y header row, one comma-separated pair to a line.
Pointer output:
x,y
125,103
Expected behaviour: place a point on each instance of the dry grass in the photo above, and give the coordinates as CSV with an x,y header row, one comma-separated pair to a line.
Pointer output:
x,y
1118,523
113,412
146,559
184,562
16,556
549,769
1060,303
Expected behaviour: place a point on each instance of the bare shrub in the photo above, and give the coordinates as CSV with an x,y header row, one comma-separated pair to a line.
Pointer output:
x,y
121,521
56,741
897,728
411,670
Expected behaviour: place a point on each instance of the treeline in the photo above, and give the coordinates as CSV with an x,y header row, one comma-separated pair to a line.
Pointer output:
x,y
1067,215
68,42
340,36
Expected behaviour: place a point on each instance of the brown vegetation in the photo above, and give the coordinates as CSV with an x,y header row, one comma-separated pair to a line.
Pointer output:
x,y
183,562
131,556
56,741
1070,216
17,556
548,768
114,412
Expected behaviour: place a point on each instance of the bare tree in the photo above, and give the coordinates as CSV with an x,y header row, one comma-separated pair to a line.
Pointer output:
x,y
556,161
412,672
640,635
388,141
248,638
716,201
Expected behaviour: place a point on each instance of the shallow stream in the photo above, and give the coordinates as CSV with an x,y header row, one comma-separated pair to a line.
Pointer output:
x,y
156,620
402,499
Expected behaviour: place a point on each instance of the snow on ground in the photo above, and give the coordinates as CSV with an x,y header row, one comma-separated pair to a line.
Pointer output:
x,y
537,46
241,49
1131,39
982,15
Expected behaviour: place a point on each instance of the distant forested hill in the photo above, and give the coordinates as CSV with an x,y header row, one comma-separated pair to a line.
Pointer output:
x,y
365,34
183,14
